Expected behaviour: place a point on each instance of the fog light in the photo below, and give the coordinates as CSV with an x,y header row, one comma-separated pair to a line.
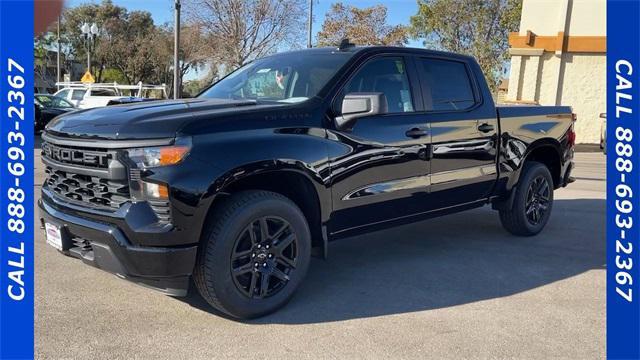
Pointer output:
x,y
142,190
155,191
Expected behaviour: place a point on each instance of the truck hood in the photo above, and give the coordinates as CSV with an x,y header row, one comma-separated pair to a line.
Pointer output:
x,y
148,120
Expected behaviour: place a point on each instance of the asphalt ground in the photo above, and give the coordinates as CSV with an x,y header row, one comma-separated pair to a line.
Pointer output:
x,y
453,287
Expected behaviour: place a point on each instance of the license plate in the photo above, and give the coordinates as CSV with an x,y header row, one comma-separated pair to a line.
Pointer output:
x,y
53,235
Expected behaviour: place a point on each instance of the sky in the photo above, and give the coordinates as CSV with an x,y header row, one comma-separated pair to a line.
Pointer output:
x,y
398,12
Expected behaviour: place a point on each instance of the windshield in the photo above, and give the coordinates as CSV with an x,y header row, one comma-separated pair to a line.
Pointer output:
x,y
53,102
286,78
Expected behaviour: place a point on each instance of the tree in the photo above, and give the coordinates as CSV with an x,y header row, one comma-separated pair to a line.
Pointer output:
x,y
71,35
194,48
192,88
239,31
367,26
127,40
193,54
479,28
41,54
113,75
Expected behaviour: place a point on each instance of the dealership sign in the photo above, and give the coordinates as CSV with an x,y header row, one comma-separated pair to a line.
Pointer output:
x,y
623,185
16,180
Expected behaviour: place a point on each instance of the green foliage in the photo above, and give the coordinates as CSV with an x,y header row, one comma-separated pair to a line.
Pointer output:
x,y
113,75
41,46
125,41
366,26
479,28
194,87
129,48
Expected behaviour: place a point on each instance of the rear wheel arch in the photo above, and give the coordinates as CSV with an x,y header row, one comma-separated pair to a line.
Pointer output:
x,y
547,153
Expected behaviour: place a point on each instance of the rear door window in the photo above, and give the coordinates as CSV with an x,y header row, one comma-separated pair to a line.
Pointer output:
x,y
448,86
78,94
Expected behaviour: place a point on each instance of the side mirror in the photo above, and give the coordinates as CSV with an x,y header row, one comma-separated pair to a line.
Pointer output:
x,y
357,105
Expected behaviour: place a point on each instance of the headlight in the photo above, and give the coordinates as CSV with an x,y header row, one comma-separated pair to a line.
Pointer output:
x,y
161,155
151,157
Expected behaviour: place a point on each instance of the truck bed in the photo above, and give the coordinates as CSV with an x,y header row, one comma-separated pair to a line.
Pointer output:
x,y
510,111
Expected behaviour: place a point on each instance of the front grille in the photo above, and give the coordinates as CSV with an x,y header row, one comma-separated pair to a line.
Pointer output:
x,y
94,177
91,190
78,156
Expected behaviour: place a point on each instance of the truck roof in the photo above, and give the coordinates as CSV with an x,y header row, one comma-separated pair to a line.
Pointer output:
x,y
377,49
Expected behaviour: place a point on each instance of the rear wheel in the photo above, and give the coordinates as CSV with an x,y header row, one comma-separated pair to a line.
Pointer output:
x,y
255,253
533,201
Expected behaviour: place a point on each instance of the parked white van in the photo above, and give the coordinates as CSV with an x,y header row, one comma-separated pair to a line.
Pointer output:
x,y
87,96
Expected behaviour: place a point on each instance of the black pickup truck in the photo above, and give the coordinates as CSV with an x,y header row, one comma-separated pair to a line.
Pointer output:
x,y
236,188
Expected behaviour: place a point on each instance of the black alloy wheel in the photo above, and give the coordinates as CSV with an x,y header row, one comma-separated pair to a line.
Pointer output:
x,y
254,254
537,202
264,257
532,201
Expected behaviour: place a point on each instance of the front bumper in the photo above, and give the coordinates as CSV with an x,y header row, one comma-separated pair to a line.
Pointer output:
x,y
103,244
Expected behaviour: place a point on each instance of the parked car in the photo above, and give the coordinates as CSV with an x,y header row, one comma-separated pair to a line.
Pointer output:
x,y
88,96
128,100
236,187
603,133
47,107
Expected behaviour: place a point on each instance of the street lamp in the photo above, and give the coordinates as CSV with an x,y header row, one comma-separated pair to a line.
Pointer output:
x,y
90,32
176,50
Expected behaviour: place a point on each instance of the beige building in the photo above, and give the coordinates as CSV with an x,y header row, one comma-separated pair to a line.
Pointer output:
x,y
559,58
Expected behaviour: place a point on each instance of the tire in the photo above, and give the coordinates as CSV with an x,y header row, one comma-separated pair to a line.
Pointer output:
x,y
234,234
521,220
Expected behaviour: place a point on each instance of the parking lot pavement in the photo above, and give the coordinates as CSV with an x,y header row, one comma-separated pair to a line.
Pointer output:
x,y
453,287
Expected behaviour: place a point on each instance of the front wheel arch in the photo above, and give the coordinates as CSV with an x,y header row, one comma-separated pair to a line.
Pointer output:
x,y
292,183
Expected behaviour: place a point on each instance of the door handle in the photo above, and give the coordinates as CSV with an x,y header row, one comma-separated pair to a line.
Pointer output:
x,y
485,128
416,133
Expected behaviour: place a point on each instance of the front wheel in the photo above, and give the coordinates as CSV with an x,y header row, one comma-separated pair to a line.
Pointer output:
x,y
533,201
255,252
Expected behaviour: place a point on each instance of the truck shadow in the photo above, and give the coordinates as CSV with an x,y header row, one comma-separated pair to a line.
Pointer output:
x,y
443,262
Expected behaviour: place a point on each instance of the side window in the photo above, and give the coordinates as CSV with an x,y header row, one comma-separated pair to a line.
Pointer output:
x,y
387,75
63,94
102,92
448,86
60,103
78,94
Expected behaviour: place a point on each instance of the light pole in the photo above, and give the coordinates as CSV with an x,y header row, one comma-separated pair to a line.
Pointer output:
x,y
58,58
90,33
310,24
176,54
